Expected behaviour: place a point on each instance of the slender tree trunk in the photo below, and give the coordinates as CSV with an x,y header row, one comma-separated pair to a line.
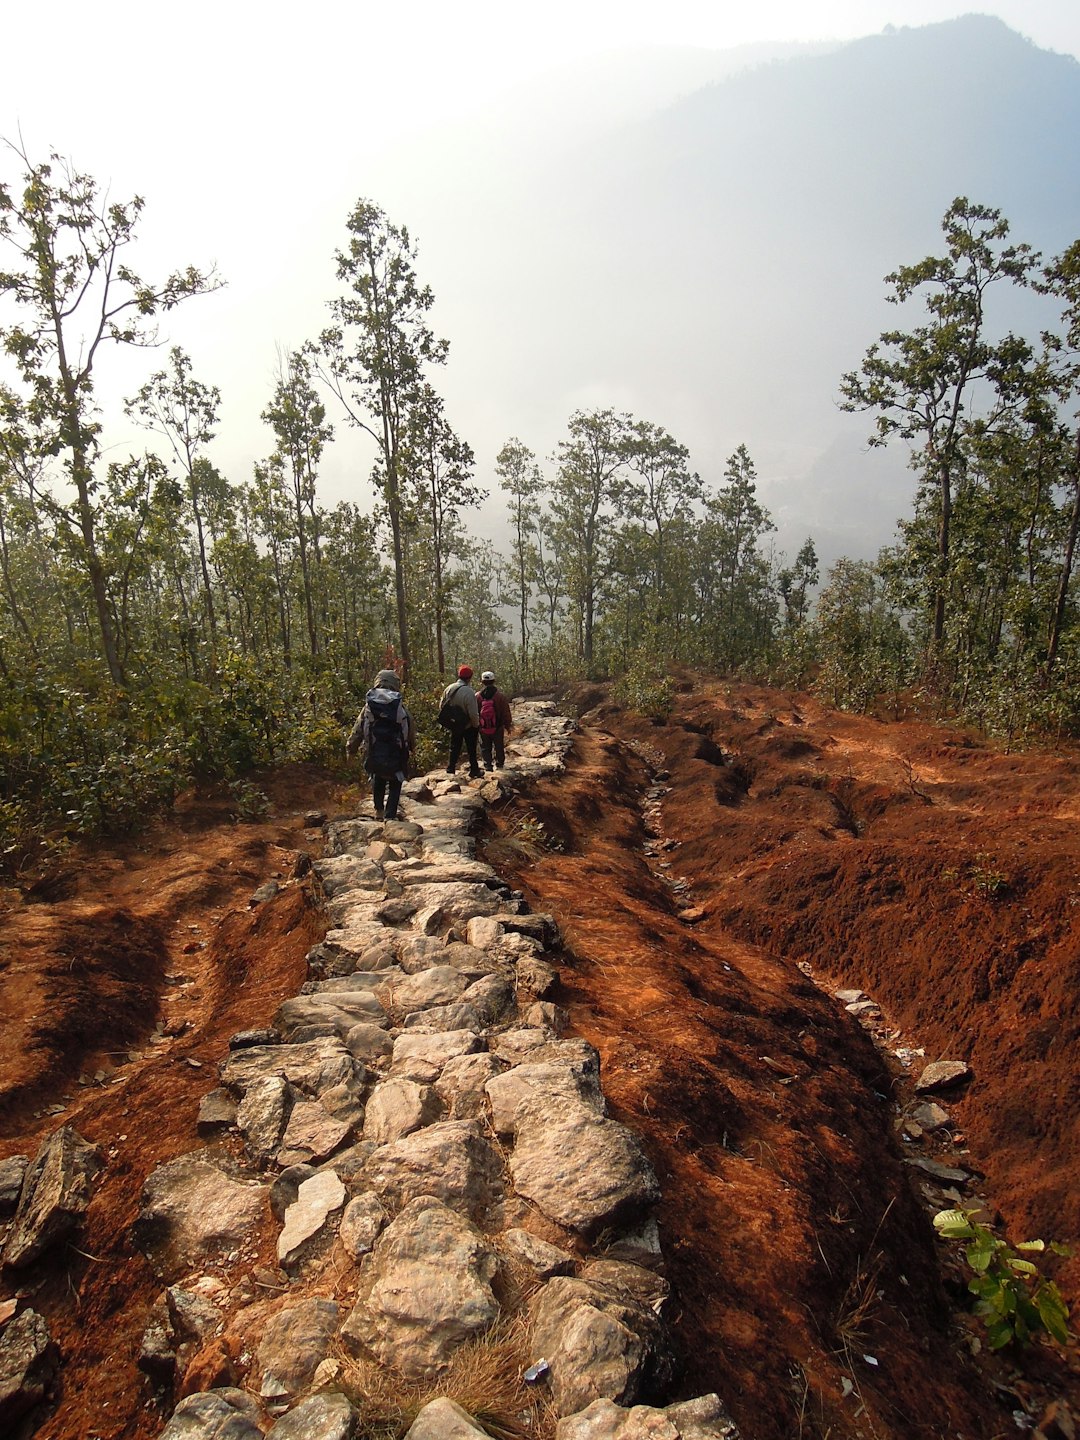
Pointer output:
x,y
9,586
1057,618
204,567
96,572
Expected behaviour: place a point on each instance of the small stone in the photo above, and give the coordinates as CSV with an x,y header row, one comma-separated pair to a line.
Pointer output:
x,y
930,1117
543,1259
938,1171
319,1417
942,1075
445,1419
362,1223
245,1039
28,1362
850,997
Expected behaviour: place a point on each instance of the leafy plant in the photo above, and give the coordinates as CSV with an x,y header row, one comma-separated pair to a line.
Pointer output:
x,y
527,839
1013,1300
979,877
252,804
986,880
642,689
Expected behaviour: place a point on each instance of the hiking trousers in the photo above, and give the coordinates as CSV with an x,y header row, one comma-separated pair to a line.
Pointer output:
x,y
470,738
490,744
380,785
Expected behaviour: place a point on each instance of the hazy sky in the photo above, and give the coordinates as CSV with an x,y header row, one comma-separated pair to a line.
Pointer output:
x,y
251,129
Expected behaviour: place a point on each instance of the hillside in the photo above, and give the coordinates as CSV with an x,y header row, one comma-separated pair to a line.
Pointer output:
x,y
716,879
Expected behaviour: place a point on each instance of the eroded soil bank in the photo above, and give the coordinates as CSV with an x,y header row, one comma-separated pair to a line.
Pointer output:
x,y
931,870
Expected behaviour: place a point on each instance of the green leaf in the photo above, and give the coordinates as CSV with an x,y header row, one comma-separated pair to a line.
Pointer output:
x,y
1053,1312
953,1225
980,1254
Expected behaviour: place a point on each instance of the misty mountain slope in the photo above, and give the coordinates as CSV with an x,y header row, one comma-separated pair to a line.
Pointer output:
x,y
716,266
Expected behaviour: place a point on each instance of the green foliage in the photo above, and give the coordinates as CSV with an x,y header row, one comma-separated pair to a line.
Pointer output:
x,y
863,647
986,879
1014,1301
530,833
979,877
251,803
646,689
528,838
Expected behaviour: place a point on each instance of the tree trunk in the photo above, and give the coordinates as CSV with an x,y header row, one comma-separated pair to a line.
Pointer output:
x,y
1057,619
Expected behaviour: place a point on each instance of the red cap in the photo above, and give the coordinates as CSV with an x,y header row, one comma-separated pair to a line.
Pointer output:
x,y
464,672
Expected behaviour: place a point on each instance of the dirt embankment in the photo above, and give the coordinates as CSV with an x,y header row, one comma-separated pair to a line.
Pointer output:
x,y
934,872
117,1000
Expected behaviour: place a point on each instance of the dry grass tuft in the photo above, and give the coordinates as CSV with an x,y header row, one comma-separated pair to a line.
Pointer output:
x,y
860,1305
483,1376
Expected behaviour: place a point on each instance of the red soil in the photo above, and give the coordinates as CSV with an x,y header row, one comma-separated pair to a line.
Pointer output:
x,y
798,1241
926,867
134,981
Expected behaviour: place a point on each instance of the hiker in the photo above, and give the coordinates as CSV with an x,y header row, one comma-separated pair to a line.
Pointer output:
x,y
460,715
385,729
495,720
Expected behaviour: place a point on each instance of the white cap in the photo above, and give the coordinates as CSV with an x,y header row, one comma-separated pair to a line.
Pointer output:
x,y
488,675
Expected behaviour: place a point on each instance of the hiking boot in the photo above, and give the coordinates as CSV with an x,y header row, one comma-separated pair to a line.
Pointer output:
x,y
379,815
476,774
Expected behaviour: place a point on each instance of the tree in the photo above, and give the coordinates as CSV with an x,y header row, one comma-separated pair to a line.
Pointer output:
x,y
186,412
74,293
1061,279
440,466
863,645
298,419
728,541
796,580
668,491
521,481
373,358
590,481
924,384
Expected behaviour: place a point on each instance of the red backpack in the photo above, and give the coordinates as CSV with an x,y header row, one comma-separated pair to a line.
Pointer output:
x,y
488,723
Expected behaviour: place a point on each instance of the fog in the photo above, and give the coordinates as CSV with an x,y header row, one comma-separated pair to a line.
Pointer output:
x,y
693,232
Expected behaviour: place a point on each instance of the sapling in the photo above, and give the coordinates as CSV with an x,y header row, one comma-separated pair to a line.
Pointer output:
x,y
1013,1300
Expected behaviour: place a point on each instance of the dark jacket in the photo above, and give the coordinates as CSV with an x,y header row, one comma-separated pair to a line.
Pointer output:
x,y
461,694
503,717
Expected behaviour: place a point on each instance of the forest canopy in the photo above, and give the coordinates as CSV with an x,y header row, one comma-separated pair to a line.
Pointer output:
x,y
163,621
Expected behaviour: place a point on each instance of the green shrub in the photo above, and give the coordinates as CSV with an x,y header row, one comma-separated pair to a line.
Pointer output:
x,y
644,691
1012,1299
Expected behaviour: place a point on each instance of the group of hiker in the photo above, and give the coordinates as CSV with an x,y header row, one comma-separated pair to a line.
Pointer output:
x,y
480,720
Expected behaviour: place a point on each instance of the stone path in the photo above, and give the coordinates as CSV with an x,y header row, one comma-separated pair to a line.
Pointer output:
x,y
434,1151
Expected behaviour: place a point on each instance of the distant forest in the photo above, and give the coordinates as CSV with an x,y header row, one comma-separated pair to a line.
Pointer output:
x,y
162,621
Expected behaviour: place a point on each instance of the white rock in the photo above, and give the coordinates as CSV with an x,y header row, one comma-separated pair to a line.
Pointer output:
x,y
316,1201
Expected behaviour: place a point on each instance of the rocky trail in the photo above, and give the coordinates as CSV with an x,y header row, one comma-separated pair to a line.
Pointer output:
x,y
592,1098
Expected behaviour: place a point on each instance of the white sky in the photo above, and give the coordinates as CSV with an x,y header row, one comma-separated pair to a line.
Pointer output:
x,y
250,129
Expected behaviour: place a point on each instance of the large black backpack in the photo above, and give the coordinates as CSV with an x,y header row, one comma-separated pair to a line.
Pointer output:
x,y
451,716
386,748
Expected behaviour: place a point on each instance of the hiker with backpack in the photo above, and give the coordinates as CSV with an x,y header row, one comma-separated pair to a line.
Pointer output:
x,y
495,720
385,730
460,715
